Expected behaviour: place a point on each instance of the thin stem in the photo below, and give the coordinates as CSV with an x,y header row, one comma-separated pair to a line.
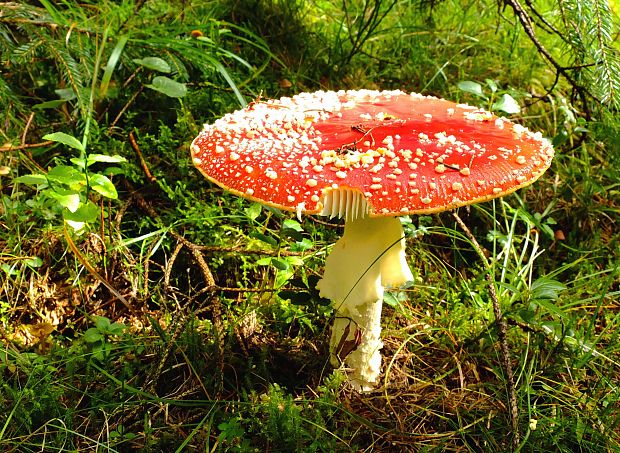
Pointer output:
x,y
502,329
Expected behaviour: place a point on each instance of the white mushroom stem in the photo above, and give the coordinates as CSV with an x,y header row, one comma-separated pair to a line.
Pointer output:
x,y
369,256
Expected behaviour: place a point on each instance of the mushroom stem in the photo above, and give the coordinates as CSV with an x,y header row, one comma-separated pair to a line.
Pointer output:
x,y
369,256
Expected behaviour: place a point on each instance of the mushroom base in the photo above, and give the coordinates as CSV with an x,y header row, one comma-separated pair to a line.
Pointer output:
x,y
369,256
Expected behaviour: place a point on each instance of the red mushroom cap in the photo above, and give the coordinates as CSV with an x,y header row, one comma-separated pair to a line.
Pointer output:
x,y
406,153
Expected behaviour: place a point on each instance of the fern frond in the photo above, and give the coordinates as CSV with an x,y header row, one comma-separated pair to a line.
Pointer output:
x,y
71,71
26,52
13,109
607,69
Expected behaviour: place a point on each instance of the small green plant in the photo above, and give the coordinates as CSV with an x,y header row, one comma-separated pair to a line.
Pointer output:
x,y
497,100
98,337
232,436
69,187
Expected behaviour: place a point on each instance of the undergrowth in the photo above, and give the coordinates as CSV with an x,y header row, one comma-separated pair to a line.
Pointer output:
x,y
142,308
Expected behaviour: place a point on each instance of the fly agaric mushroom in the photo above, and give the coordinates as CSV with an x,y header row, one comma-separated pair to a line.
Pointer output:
x,y
368,157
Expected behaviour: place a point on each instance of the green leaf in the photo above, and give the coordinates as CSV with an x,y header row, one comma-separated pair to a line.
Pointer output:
x,y
280,264
32,179
507,104
111,171
33,262
92,335
114,159
295,261
102,323
264,238
168,87
49,104
87,212
253,211
471,87
302,246
93,158
546,288
66,94
292,225
117,328
102,185
154,64
65,139
64,174
491,84
293,229
551,307
65,198
391,300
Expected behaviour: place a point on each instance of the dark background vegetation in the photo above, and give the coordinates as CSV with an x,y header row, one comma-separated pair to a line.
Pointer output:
x,y
142,308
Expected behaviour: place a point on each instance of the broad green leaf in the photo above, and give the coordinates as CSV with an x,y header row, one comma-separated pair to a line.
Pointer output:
x,y
168,87
65,198
303,245
292,225
102,185
280,264
32,179
33,262
391,300
154,64
64,174
253,211
293,229
546,288
102,323
10,270
111,171
471,87
117,328
295,260
65,139
491,84
78,162
93,158
78,227
87,212
92,335
114,159
262,237
263,261
49,104
66,94
507,104
551,307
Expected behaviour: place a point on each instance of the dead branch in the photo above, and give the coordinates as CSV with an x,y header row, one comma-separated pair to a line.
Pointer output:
x,y
502,329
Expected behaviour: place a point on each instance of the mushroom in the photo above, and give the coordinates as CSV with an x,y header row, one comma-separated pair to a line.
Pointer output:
x,y
368,157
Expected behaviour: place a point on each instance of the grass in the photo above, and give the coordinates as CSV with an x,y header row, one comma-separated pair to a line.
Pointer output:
x,y
180,366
